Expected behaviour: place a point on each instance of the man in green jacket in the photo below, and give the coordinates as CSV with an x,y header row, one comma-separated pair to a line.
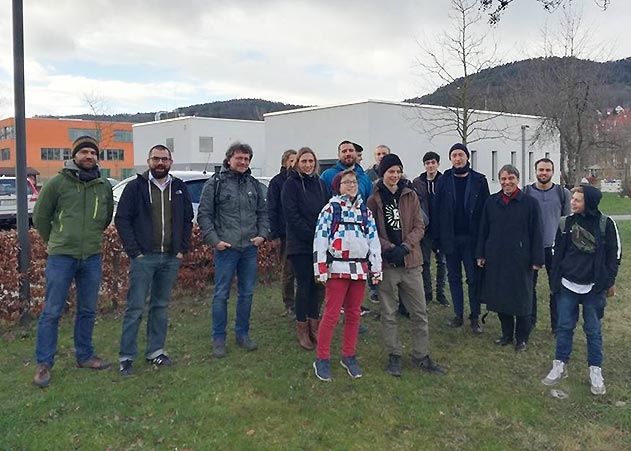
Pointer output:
x,y
72,211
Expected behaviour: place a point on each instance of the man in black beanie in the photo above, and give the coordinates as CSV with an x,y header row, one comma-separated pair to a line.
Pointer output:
x,y
458,203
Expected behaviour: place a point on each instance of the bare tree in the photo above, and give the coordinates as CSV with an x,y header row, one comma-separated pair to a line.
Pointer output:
x,y
460,52
100,111
497,7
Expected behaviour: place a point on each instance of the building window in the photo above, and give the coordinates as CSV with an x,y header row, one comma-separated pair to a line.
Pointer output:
x,y
513,158
56,153
123,136
206,144
474,159
74,133
105,172
5,154
7,132
494,165
127,172
170,143
531,163
112,154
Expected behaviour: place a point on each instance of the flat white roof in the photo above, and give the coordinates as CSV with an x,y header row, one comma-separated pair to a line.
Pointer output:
x,y
390,102
198,118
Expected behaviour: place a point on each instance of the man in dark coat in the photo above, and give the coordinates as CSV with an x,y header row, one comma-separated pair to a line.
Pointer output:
x,y
510,248
277,227
458,202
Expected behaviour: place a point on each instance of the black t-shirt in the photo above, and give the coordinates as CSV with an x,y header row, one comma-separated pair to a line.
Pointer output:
x,y
391,214
461,220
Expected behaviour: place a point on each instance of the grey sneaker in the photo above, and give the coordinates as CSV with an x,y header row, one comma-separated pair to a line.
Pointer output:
x,y
557,373
42,375
428,365
219,348
394,365
322,369
596,380
246,343
351,366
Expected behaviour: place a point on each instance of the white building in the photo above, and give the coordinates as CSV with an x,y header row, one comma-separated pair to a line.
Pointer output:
x,y
407,129
198,143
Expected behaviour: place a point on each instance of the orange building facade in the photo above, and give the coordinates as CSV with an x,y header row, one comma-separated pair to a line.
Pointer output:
x,y
49,143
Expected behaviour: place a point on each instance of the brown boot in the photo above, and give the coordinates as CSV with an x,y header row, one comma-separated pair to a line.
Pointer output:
x,y
42,375
302,333
314,324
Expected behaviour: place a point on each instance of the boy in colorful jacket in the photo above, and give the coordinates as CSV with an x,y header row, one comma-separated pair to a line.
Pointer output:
x,y
346,252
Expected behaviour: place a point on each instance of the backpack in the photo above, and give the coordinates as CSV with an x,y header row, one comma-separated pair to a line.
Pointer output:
x,y
337,218
581,238
559,189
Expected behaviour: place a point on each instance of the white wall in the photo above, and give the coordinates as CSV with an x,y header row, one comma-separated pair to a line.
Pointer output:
x,y
186,132
405,129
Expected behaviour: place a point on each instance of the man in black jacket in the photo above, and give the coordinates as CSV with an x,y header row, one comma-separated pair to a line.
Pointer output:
x,y
460,196
154,221
277,227
584,268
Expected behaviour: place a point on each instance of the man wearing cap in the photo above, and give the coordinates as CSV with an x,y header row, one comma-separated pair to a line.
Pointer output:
x,y
154,219
72,211
458,203
347,153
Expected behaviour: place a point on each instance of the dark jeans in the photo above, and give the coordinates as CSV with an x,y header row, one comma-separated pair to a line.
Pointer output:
x,y
309,294
229,262
593,311
553,305
515,326
288,277
60,271
153,276
441,269
462,256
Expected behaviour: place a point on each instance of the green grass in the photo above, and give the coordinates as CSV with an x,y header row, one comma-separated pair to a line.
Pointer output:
x,y
613,204
269,399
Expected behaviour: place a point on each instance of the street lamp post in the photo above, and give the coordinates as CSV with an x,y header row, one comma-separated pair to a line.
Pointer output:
x,y
524,172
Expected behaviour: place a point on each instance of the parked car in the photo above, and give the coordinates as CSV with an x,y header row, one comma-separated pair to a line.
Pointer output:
x,y
8,198
113,181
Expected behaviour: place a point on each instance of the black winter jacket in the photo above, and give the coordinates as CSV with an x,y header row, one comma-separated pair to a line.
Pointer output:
x,y
133,217
274,205
303,197
442,222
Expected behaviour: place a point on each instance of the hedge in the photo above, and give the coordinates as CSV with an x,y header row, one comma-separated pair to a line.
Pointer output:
x,y
194,278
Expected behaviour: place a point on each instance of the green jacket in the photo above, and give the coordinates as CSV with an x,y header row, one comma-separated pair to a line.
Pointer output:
x,y
70,215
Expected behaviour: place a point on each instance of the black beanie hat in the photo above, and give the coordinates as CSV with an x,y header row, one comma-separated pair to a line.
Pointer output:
x,y
85,141
459,146
387,162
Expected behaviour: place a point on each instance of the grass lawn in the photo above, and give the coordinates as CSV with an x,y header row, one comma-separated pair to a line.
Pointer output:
x,y
270,399
613,204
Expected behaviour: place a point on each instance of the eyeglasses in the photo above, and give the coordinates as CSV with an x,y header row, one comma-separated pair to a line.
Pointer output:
x,y
160,159
349,182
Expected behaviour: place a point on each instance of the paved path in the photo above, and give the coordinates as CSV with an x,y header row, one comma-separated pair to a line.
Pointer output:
x,y
621,217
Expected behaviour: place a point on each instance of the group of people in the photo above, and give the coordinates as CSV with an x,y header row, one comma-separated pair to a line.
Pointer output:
x,y
339,232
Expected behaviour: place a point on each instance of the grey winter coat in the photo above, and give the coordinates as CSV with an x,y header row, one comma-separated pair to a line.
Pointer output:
x,y
232,209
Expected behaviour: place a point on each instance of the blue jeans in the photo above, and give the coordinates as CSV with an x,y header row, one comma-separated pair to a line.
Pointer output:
x,y
227,263
593,311
462,255
60,271
151,275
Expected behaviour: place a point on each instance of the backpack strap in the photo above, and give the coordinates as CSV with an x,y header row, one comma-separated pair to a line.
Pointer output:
x,y
561,193
364,211
562,222
336,219
603,224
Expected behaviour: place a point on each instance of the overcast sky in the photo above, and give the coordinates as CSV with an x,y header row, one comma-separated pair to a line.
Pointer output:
x,y
148,55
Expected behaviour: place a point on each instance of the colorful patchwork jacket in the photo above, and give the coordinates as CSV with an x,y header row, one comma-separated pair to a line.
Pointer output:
x,y
346,247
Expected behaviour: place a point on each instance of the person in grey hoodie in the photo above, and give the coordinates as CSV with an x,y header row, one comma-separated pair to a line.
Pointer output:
x,y
233,219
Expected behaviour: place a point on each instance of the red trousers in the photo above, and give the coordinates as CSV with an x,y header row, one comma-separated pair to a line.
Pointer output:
x,y
340,293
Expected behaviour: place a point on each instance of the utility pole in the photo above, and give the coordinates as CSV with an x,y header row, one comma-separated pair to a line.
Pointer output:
x,y
20,152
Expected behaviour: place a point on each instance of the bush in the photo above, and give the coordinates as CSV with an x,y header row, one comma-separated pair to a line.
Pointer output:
x,y
194,278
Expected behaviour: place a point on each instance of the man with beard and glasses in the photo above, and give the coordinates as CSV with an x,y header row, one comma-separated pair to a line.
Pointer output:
x,y
458,203
554,201
154,221
72,211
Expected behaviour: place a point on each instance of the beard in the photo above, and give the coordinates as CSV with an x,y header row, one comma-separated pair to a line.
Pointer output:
x,y
543,179
159,173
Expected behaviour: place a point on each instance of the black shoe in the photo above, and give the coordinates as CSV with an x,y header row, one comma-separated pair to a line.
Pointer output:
x,y
503,341
456,321
161,360
428,298
394,365
442,299
428,365
363,311
126,368
475,326
246,343
521,346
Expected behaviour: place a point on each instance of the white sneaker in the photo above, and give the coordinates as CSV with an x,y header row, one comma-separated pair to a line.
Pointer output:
x,y
597,381
557,373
